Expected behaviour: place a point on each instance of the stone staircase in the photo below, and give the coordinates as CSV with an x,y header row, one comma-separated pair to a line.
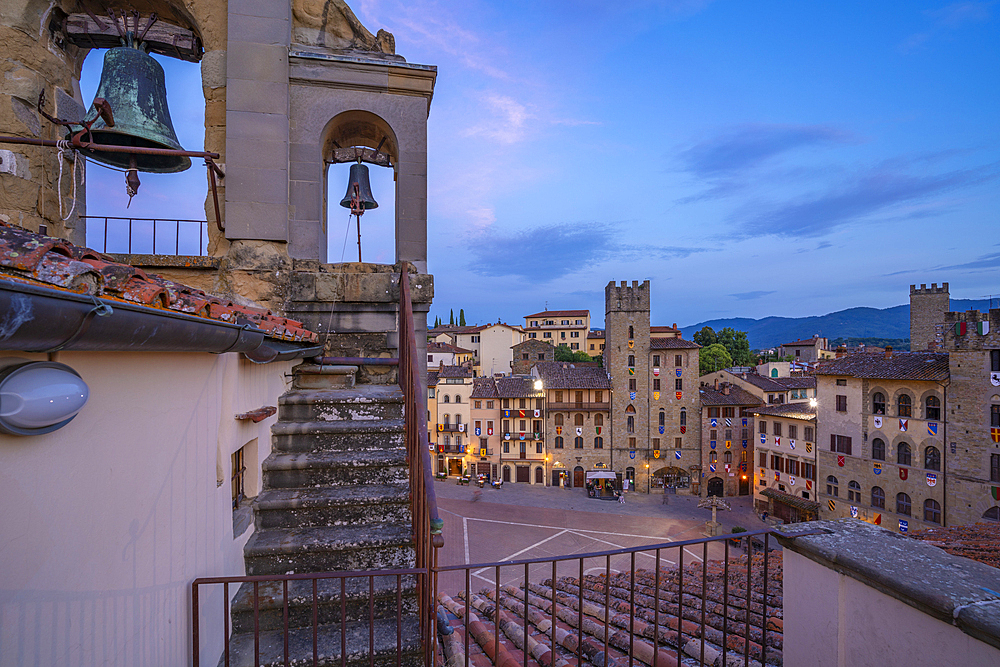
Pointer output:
x,y
335,496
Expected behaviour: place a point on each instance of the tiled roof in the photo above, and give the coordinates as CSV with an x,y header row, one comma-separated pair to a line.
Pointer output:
x,y
800,410
663,329
454,372
672,344
797,381
789,499
567,375
978,541
596,333
736,396
677,641
447,347
561,313
763,382
533,342
484,388
927,366
505,387
32,258
807,341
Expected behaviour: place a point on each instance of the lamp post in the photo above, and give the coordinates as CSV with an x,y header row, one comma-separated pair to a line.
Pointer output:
x,y
648,487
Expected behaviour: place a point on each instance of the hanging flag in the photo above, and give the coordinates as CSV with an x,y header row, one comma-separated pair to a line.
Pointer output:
x,y
661,430
506,436
878,421
711,467
520,413
995,379
791,444
727,467
729,423
489,431
744,422
631,370
995,434
656,372
960,328
599,429
832,505
538,413
877,468
932,428
441,448
558,430
995,492
479,431
711,443
840,460
482,452
777,441
763,439
903,424
631,344
677,454
538,436
631,454
809,448
677,372
903,473
931,479
777,476
983,328
631,395
744,444
791,480
854,512
729,444
656,395
684,429
809,485
656,453
506,413
679,394
743,467
461,428
878,520
714,422
522,436
903,524
440,427
579,431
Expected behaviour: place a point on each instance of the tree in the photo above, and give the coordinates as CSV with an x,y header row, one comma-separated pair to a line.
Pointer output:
x,y
451,322
713,358
461,317
563,353
705,337
738,346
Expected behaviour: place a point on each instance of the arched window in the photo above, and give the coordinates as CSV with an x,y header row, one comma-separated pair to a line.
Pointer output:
x,y
727,457
831,486
743,456
598,442
663,418
558,419
599,419
577,442
878,403
713,457
631,360
903,454
878,449
902,504
878,497
932,408
684,417
932,511
447,398
578,420
630,410
630,424
631,332
932,458
904,405
853,492
559,442
458,398
992,514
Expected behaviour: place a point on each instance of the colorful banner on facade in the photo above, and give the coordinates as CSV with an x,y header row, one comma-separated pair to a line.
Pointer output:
x,y
932,428
854,512
878,421
904,424
931,479
903,473
840,460
877,468
903,524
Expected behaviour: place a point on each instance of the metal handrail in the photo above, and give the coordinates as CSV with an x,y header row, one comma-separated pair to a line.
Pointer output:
x,y
427,523
202,231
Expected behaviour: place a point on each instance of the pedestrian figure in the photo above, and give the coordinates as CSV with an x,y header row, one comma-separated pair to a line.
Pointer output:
x,y
621,498
666,498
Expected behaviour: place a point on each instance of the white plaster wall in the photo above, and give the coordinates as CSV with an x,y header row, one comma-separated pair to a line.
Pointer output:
x,y
106,522
495,354
832,620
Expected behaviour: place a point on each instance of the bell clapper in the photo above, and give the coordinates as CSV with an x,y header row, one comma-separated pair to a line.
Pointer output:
x,y
131,179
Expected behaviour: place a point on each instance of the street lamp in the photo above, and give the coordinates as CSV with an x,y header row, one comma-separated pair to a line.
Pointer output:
x,y
812,403
538,385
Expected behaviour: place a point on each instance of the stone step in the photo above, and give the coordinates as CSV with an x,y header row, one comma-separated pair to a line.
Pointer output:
x,y
364,403
333,506
335,598
355,436
284,470
329,642
325,549
313,376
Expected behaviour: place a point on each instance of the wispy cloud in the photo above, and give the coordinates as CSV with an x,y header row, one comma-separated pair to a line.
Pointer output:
x,y
987,262
505,120
873,192
756,294
551,251
947,19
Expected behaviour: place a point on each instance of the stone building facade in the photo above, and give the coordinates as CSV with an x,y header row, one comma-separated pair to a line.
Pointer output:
x,y
927,308
675,430
785,476
727,442
508,434
454,392
528,353
882,426
577,420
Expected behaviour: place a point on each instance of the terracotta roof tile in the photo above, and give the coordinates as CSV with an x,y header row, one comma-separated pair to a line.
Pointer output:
x,y
736,396
567,375
33,258
801,410
561,313
454,372
805,341
928,366
978,541
505,387
672,344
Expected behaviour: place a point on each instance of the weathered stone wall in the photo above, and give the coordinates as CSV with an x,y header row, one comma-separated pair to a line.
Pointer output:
x,y
927,308
532,348
970,395
665,399
629,307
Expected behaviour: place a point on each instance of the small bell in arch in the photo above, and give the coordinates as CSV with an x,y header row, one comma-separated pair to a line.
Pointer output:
x,y
359,196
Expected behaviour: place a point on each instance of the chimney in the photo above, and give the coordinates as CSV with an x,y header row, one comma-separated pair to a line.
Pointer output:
x,y
888,352
841,351
675,325
725,389
716,384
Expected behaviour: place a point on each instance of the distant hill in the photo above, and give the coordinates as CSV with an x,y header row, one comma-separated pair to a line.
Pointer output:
x,y
851,323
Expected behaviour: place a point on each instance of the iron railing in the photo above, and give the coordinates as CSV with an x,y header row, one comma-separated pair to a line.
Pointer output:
x,y
147,237
661,610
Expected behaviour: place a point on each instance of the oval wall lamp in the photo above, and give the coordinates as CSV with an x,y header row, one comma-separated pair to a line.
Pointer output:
x,y
39,397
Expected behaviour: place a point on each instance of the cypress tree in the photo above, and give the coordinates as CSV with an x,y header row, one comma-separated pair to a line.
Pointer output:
x,y
461,317
451,322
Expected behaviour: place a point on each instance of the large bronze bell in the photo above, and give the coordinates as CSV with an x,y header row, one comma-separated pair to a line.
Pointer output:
x,y
359,178
132,82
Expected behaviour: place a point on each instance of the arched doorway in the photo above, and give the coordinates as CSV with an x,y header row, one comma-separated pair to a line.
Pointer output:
x,y
578,477
506,473
744,485
715,487
539,475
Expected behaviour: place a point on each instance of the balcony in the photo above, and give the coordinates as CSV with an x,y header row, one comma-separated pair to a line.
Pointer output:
x,y
585,407
452,428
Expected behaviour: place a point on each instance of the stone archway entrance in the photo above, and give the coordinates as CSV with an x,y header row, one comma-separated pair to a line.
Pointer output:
x,y
715,487
578,477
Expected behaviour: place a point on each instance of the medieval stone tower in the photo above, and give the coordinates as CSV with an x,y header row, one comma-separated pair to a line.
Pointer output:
x,y
927,308
626,358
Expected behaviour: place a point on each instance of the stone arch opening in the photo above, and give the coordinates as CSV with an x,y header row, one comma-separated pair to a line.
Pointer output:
x,y
349,137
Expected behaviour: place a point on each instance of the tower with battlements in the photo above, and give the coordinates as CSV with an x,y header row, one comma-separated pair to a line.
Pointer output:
x,y
927,308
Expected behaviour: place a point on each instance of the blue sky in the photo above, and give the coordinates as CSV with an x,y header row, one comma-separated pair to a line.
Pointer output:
x,y
750,159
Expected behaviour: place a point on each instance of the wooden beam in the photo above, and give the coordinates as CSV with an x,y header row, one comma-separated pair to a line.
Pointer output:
x,y
163,38
353,153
